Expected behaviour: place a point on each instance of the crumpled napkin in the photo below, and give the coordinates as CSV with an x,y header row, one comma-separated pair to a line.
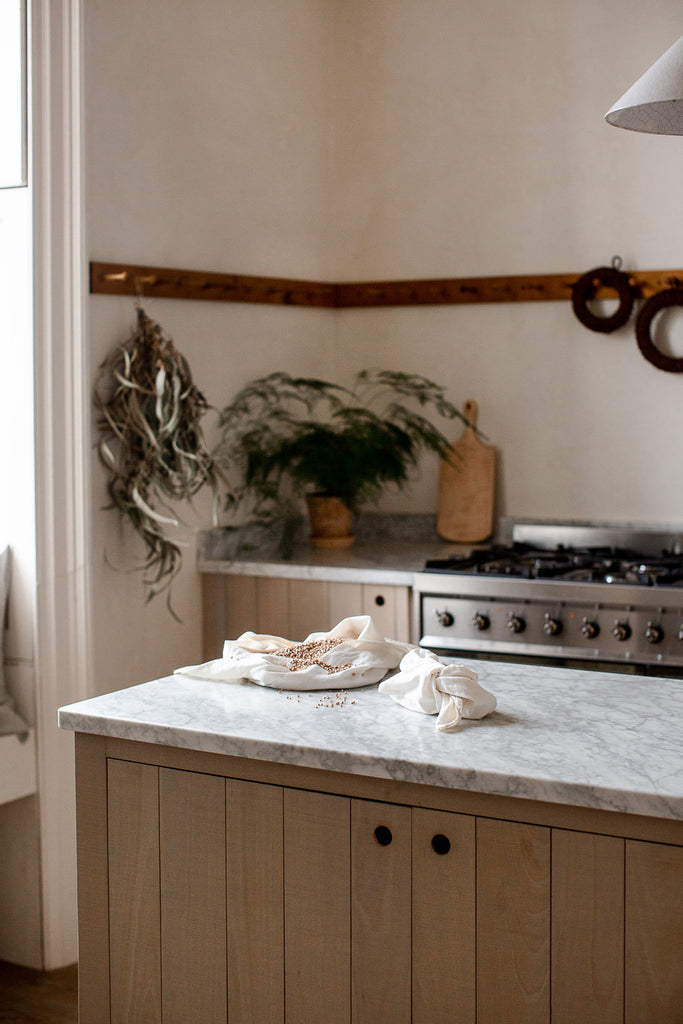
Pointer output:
x,y
451,692
364,654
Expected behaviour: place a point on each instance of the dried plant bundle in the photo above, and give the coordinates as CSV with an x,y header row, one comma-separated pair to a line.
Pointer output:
x,y
151,443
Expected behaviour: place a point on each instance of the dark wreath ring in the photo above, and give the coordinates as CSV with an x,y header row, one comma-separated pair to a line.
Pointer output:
x,y
661,300
584,290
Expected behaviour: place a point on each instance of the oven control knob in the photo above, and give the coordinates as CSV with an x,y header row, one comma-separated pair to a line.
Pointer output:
x,y
589,629
551,626
680,634
621,630
654,634
515,623
481,621
445,618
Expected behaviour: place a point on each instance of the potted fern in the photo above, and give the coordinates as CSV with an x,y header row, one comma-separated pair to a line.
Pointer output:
x,y
286,437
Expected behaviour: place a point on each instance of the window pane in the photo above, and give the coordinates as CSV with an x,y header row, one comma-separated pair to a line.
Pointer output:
x,y
12,93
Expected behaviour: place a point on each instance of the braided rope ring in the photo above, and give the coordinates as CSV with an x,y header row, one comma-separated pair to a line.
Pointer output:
x,y
661,300
584,290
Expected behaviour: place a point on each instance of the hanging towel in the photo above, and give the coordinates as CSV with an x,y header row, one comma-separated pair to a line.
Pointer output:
x,y
352,654
425,684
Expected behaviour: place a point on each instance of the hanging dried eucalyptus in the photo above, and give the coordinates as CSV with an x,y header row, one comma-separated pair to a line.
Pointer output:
x,y
151,443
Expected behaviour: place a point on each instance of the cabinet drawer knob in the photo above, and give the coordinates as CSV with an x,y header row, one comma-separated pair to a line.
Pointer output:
x,y
441,844
379,600
383,835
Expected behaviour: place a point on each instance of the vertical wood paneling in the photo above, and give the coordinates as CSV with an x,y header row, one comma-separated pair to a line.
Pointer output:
x,y
345,600
654,933
255,902
513,923
192,872
241,605
443,887
317,908
308,608
380,914
389,608
587,928
402,614
93,890
213,616
134,927
273,606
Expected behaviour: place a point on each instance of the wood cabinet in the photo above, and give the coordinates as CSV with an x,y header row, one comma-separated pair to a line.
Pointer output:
x,y
217,889
293,608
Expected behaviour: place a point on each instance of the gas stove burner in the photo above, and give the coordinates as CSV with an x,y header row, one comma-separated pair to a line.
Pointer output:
x,y
661,572
608,565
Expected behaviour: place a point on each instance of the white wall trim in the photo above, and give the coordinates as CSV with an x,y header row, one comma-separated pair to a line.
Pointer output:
x,y
63,635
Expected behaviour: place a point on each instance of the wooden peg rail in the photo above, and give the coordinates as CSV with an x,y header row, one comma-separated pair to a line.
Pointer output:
x,y
164,283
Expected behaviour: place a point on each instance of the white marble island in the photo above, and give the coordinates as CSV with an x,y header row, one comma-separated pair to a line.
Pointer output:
x,y
302,850
591,739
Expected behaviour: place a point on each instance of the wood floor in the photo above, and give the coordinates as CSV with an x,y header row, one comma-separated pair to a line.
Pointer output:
x,y
34,997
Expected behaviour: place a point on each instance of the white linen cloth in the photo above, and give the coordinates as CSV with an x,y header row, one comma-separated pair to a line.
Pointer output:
x,y
260,658
422,683
451,692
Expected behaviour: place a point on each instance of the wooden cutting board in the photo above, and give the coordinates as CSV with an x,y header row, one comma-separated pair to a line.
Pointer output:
x,y
467,488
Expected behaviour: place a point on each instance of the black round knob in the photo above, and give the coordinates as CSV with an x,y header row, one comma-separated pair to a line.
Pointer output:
x,y
383,835
589,629
551,626
445,618
621,630
441,844
481,621
379,600
654,634
515,623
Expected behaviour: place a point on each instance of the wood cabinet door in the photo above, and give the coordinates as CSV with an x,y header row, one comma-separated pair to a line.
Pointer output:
x,y
513,923
192,897
380,912
587,928
134,913
255,915
317,908
654,933
443,895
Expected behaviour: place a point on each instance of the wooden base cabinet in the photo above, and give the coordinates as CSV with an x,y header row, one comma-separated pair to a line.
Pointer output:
x,y
217,889
293,608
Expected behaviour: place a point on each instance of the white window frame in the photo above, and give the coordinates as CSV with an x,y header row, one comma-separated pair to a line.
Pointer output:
x,y
63,634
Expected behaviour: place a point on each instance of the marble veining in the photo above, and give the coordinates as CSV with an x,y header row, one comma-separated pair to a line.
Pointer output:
x,y
591,739
388,550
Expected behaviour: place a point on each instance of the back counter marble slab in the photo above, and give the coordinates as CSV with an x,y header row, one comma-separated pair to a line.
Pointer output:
x,y
589,739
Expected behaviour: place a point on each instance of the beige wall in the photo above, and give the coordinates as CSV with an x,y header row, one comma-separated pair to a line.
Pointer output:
x,y
343,139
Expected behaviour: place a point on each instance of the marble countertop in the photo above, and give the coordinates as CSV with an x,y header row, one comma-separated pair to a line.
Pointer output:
x,y
389,549
590,739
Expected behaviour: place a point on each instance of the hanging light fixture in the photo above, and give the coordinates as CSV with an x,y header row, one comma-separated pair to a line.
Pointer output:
x,y
655,103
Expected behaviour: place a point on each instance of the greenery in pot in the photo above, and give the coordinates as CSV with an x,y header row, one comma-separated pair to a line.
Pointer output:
x,y
285,436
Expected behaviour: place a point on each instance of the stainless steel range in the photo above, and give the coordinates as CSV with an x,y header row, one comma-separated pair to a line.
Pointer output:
x,y
602,597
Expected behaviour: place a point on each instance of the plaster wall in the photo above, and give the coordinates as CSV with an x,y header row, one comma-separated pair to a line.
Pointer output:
x,y
470,141
342,140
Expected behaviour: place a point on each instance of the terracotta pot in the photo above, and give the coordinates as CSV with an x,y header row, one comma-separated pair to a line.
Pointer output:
x,y
330,522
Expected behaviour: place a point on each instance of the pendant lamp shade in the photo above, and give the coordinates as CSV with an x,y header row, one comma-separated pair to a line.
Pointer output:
x,y
655,103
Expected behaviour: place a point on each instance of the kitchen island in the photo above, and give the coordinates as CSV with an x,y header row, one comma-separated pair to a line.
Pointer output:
x,y
254,855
